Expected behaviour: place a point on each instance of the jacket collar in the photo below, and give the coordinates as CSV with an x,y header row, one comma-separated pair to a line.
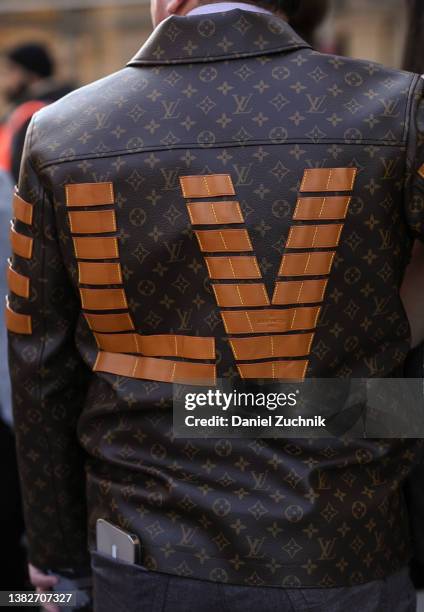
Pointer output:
x,y
217,36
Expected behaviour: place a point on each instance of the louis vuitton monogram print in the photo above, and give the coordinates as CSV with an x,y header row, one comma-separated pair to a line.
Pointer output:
x,y
234,95
113,345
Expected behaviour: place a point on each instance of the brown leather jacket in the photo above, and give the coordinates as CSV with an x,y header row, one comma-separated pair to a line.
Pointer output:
x,y
231,204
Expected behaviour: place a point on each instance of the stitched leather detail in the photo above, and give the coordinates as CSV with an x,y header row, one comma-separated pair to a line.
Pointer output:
x,y
17,323
99,273
149,368
96,248
331,207
421,171
266,347
207,186
217,241
104,323
22,210
270,321
328,179
314,236
92,222
241,295
306,264
214,213
275,370
103,299
167,345
299,292
17,283
21,245
242,267
89,194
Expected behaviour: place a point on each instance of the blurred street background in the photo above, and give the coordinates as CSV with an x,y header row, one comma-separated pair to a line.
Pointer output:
x,y
103,34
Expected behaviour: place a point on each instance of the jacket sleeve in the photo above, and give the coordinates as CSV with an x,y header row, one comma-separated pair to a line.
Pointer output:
x,y
49,379
414,199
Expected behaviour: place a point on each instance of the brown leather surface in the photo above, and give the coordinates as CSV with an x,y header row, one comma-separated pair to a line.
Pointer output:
x,y
242,267
215,213
92,222
18,283
96,248
22,210
306,264
299,292
120,322
270,321
103,299
165,345
17,323
276,370
330,207
207,186
218,241
252,294
149,368
99,273
328,179
314,236
21,245
89,194
264,347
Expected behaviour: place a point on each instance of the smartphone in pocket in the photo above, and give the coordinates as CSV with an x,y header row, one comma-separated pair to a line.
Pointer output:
x,y
117,543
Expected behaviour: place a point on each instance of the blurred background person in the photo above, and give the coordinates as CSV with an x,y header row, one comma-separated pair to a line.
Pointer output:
x,y
28,83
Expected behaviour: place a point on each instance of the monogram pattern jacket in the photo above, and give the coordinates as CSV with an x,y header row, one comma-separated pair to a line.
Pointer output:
x,y
230,204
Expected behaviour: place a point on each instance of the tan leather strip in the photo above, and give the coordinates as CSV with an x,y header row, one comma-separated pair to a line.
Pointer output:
x,y
89,194
306,264
328,179
275,370
265,347
92,222
331,207
299,292
214,213
218,241
99,273
314,236
207,186
421,171
167,345
149,368
241,295
96,248
21,245
109,322
270,321
17,323
103,299
17,283
240,267
22,210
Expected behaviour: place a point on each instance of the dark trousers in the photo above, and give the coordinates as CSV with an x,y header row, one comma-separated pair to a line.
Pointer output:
x,y
121,587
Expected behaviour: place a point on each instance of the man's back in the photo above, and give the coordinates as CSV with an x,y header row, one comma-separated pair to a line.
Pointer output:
x,y
232,204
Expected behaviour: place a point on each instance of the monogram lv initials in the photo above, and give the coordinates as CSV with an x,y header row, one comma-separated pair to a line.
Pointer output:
x,y
270,337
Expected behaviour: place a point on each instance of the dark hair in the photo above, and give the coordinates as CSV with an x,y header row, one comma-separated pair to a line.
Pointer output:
x,y
34,57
